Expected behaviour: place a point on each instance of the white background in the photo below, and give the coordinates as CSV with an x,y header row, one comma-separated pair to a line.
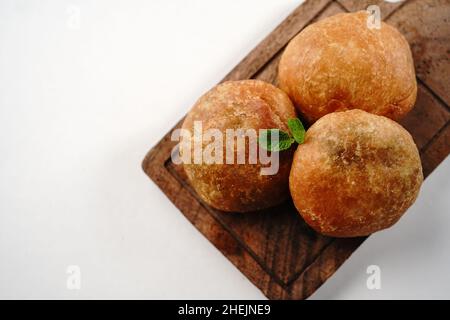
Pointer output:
x,y
81,104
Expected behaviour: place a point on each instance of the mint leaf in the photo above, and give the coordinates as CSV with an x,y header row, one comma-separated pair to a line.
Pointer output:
x,y
282,140
297,130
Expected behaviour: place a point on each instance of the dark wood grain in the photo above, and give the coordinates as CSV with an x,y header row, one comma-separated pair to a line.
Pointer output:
x,y
386,8
274,248
427,31
426,118
436,151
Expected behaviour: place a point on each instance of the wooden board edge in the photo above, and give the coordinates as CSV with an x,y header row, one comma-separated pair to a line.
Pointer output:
x,y
154,167
277,39
336,253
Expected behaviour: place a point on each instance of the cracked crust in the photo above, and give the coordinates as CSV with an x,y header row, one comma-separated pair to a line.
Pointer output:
x,y
356,173
339,64
246,104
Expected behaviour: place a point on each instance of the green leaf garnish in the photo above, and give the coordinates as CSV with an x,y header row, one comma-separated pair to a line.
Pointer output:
x,y
283,142
297,130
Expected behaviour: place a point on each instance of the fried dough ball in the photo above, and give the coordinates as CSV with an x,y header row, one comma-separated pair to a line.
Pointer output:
x,y
247,104
339,63
356,173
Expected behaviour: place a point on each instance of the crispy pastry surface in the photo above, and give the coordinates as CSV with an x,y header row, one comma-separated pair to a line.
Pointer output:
x,y
339,63
356,173
247,104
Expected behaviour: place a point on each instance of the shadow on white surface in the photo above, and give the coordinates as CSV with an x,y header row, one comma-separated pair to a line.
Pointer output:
x,y
413,255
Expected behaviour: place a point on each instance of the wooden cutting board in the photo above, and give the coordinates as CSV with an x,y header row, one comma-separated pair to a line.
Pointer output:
x,y
274,248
